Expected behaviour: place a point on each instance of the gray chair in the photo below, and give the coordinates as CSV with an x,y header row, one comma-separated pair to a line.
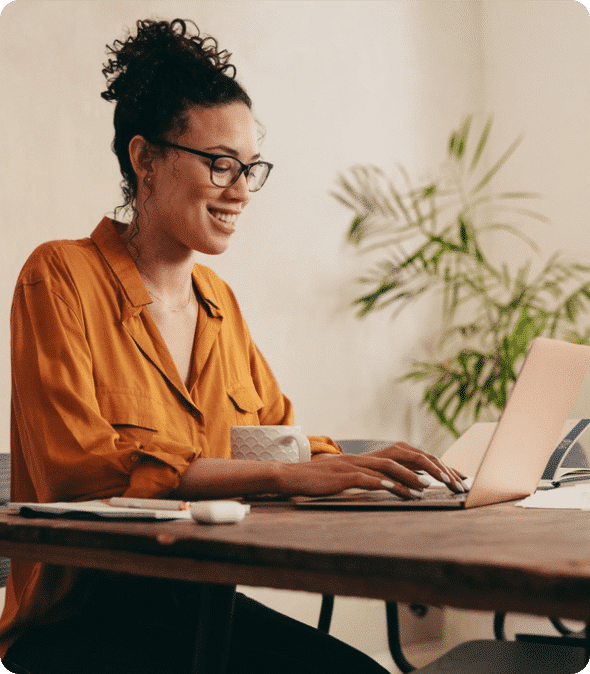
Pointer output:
x,y
528,654
508,657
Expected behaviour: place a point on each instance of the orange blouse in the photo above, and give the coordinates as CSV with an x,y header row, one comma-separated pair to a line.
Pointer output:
x,y
98,406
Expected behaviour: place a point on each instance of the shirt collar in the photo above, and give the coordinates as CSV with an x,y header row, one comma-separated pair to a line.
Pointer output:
x,y
205,294
112,248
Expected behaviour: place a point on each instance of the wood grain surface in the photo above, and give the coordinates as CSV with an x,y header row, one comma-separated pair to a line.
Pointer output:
x,y
493,558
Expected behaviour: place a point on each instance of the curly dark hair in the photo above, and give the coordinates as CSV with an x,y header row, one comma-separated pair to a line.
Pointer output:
x,y
155,77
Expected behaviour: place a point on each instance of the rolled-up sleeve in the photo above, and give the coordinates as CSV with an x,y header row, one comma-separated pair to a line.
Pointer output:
x,y
71,451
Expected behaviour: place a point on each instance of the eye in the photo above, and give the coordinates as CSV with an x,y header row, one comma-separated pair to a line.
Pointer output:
x,y
223,165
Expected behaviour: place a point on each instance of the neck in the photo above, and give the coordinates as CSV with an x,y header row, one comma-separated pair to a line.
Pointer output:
x,y
170,284
167,272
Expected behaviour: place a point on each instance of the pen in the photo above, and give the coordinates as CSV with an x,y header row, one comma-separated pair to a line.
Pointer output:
x,y
148,503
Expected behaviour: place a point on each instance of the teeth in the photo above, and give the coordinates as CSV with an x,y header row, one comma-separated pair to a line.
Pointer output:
x,y
224,217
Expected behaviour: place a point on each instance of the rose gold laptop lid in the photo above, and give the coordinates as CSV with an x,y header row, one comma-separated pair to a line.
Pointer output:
x,y
542,399
531,423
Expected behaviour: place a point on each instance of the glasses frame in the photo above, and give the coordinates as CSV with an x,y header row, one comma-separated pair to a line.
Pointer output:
x,y
244,168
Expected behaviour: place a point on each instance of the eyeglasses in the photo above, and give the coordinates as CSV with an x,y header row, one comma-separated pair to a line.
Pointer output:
x,y
226,170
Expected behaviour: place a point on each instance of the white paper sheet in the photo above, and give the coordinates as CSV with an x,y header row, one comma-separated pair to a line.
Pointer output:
x,y
575,497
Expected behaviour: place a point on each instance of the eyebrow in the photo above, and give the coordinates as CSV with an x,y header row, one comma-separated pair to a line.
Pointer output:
x,y
231,151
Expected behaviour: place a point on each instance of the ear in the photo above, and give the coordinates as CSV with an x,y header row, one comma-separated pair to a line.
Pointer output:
x,y
141,158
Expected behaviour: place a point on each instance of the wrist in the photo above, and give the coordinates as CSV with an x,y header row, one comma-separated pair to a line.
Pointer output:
x,y
287,478
277,476
273,476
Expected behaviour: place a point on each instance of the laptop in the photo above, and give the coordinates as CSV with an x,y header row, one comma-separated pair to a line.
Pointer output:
x,y
530,427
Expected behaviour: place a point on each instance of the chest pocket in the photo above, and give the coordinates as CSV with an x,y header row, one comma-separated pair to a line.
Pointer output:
x,y
135,417
246,403
130,408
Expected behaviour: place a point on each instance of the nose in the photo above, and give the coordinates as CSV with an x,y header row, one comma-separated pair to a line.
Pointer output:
x,y
239,190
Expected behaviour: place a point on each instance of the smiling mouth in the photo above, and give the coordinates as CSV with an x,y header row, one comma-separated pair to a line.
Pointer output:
x,y
225,219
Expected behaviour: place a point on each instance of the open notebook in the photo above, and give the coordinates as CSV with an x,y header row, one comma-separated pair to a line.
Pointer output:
x,y
521,445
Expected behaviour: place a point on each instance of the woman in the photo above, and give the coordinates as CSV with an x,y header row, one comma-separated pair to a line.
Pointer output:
x,y
131,363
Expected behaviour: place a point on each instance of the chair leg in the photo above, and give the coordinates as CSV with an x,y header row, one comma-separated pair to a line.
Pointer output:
x,y
560,627
499,620
326,613
393,638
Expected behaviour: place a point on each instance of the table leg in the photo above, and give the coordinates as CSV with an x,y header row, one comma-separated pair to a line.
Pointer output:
x,y
214,629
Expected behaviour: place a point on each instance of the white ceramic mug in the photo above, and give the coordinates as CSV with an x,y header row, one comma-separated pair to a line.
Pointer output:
x,y
286,444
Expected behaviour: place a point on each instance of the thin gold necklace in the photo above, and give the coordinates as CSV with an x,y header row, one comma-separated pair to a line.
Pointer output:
x,y
153,294
176,311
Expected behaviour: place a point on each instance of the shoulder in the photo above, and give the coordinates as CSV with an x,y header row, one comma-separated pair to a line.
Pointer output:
x,y
54,259
71,270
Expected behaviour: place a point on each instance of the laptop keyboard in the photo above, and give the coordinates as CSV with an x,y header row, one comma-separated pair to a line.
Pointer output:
x,y
441,494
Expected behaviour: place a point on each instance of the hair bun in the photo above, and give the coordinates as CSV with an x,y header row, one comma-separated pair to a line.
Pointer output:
x,y
161,51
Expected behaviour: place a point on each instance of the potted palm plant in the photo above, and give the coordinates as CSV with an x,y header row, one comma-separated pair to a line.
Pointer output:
x,y
430,239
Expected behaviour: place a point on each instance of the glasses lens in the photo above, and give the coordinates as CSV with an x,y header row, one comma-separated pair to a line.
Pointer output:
x,y
257,176
225,171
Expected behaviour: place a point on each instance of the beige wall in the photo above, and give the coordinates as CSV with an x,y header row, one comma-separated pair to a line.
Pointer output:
x,y
334,83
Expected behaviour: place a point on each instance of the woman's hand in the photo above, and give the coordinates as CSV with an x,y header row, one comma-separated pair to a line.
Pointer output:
x,y
393,468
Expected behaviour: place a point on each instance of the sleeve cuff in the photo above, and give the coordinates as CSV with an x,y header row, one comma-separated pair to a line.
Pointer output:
x,y
323,445
152,479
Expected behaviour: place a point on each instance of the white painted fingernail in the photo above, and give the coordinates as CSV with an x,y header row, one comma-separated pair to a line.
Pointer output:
x,y
415,493
387,484
445,478
465,483
458,485
422,479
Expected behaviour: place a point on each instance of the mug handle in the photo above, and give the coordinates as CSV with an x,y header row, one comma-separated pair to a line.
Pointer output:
x,y
302,444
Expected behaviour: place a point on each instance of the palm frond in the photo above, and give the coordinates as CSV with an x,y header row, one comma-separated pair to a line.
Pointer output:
x,y
435,236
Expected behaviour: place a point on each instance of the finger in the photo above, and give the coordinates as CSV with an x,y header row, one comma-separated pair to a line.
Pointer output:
x,y
419,460
343,475
390,469
371,482
452,472
402,454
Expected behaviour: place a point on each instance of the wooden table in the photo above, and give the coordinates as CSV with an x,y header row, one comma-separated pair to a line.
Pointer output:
x,y
497,558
